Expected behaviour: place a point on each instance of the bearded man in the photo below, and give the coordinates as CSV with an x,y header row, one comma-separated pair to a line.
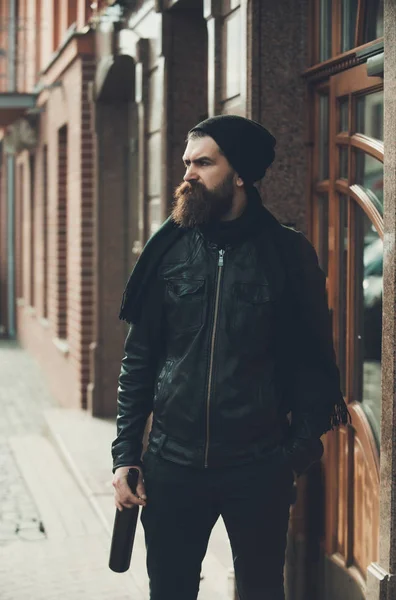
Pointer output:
x,y
230,347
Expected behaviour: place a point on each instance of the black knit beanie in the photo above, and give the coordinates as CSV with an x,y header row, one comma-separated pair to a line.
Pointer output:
x,y
248,146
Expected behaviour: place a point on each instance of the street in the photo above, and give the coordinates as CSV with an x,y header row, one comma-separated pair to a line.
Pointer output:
x,y
56,505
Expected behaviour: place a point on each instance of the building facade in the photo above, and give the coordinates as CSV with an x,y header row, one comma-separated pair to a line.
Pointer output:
x,y
116,86
48,187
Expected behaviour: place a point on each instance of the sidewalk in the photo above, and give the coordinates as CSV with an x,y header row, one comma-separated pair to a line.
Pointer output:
x,y
62,500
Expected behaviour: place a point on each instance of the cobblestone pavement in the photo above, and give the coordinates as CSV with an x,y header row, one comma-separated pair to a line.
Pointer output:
x,y
20,413
52,545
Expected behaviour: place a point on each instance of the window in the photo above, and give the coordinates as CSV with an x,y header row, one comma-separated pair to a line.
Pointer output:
x,y
325,30
346,111
349,9
368,269
62,274
347,199
374,20
342,25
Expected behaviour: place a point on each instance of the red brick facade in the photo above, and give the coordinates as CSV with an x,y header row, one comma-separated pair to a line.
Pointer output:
x,y
57,326
54,198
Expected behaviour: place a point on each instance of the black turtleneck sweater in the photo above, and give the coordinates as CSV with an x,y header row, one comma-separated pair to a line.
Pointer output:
x,y
236,231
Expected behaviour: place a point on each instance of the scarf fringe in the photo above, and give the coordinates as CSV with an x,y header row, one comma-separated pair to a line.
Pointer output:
x,y
125,313
340,415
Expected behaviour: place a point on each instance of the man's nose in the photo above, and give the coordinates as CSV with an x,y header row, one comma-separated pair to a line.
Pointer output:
x,y
190,174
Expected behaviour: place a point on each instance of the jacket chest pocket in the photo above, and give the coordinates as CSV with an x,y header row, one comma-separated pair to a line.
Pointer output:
x,y
184,303
251,311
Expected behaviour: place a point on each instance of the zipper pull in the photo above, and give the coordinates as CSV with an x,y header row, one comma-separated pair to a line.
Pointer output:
x,y
221,258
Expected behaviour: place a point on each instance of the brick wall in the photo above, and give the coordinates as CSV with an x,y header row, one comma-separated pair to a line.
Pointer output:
x,y
88,162
63,238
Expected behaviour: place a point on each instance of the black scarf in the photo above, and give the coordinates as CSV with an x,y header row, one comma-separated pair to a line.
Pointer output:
x,y
222,233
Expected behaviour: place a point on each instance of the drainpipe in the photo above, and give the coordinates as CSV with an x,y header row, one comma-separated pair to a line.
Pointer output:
x,y
11,178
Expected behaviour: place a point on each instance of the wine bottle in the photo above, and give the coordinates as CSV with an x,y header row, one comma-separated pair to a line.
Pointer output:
x,y
124,530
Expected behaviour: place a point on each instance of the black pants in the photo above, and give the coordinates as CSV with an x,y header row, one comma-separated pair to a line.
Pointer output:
x,y
184,504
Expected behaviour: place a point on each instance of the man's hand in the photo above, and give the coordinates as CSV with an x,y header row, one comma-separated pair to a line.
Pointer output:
x,y
123,496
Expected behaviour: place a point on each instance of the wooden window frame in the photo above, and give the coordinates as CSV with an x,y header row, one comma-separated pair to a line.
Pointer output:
x,y
336,33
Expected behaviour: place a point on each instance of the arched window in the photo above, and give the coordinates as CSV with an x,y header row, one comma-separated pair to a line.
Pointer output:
x,y
346,126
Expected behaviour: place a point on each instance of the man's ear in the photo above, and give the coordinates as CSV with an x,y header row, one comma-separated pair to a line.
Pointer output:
x,y
239,181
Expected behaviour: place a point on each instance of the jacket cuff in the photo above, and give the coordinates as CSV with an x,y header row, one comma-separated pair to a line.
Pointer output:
x,y
133,462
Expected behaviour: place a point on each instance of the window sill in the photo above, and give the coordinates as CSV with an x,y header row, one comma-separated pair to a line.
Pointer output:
x,y
44,322
20,302
62,346
31,311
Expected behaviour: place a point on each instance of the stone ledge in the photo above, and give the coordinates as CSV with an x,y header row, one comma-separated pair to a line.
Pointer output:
x,y
62,345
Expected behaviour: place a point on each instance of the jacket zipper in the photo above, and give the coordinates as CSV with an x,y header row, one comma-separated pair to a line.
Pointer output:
x,y
220,266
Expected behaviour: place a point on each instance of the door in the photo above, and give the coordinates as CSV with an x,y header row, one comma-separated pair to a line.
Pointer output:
x,y
348,233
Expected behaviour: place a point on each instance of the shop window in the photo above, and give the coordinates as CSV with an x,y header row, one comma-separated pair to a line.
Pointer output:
x,y
368,271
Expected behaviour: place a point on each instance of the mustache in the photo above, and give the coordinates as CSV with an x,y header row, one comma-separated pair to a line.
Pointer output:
x,y
186,188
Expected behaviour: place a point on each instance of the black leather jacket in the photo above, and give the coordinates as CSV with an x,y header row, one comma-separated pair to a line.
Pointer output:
x,y
215,380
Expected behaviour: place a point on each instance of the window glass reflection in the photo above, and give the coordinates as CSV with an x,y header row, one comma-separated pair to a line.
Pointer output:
x,y
343,274
349,15
323,242
368,318
323,137
374,21
370,175
325,30
344,115
343,162
370,115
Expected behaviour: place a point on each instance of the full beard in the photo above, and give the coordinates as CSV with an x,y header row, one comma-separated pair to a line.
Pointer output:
x,y
195,205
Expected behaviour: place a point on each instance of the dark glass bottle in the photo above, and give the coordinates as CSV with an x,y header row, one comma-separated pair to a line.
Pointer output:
x,y
124,530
